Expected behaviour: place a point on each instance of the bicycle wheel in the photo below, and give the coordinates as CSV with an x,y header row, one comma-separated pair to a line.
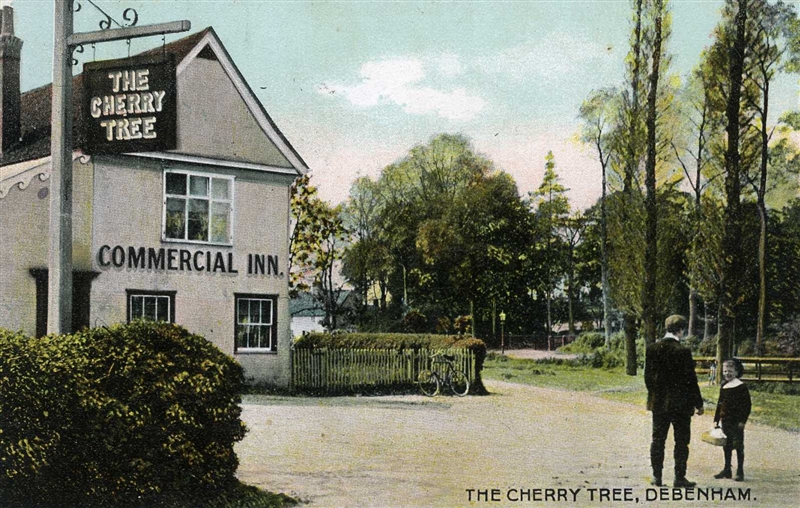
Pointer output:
x,y
428,383
459,383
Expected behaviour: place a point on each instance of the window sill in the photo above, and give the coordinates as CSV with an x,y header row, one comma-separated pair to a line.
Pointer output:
x,y
254,352
195,242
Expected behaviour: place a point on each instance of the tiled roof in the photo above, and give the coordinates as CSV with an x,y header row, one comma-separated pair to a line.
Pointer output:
x,y
36,105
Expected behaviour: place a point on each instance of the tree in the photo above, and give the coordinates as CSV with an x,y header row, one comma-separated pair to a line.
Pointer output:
x,y
733,34
659,34
551,211
693,151
598,115
626,226
315,246
366,262
571,232
774,26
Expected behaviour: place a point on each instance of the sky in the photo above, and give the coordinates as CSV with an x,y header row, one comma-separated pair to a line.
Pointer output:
x,y
354,85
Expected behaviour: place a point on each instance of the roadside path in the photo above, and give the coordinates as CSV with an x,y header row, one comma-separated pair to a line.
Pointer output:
x,y
414,451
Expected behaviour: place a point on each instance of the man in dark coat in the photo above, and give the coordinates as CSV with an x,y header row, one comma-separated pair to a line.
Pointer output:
x,y
673,395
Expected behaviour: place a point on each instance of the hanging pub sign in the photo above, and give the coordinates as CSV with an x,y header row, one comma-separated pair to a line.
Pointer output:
x,y
130,105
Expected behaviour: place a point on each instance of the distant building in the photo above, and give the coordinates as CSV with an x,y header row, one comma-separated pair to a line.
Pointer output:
x,y
196,235
308,312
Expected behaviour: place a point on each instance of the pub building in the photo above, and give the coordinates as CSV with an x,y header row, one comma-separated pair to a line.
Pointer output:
x,y
181,186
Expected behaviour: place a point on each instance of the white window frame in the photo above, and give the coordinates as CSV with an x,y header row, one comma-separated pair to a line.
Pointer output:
x,y
231,182
273,324
136,293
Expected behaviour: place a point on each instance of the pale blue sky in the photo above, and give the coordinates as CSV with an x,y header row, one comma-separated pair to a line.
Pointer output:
x,y
355,84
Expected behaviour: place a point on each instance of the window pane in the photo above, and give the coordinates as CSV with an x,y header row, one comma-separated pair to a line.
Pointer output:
x,y
260,336
220,222
255,312
220,189
150,308
243,312
198,186
241,337
266,312
136,307
162,309
198,219
176,217
176,184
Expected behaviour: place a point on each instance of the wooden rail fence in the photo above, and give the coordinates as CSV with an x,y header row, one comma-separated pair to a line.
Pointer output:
x,y
756,369
348,369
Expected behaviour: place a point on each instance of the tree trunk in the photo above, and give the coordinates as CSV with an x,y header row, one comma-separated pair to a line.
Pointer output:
x,y
604,263
762,277
707,318
630,344
649,304
730,241
569,304
692,312
762,216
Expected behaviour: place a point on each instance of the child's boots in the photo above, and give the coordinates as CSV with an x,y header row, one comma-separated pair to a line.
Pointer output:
x,y
725,473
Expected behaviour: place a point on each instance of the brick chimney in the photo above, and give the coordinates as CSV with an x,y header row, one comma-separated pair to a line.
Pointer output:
x,y
10,50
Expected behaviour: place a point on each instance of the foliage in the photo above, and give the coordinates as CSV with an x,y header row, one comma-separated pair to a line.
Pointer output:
x,y
118,415
443,233
787,340
387,341
585,343
316,244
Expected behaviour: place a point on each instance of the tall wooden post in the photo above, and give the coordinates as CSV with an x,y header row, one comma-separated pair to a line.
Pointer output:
x,y
59,291
59,299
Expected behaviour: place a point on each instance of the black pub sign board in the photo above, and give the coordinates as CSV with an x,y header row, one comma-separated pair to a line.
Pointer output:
x,y
130,105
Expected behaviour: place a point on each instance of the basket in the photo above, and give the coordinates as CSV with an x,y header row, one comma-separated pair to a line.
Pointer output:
x,y
714,437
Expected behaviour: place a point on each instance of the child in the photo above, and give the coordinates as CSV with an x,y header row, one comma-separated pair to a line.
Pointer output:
x,y
733,409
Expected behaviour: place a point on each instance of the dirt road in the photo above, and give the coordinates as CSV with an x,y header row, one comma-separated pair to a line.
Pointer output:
x,y
520,446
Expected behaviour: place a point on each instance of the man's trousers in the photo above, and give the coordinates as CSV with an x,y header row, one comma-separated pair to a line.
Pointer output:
x,y
682,433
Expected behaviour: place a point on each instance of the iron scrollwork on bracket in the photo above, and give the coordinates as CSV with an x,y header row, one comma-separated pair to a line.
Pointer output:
x,y
77,49
131,16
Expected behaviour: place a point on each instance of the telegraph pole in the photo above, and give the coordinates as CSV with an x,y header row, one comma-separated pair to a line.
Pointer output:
x,y
59,300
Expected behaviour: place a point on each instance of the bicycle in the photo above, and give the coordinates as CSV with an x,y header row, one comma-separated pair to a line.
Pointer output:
x,y
431,380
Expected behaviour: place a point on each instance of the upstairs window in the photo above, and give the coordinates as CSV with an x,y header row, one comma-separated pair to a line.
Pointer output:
x,y
198,207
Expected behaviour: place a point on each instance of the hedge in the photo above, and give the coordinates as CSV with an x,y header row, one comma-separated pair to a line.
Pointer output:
x,y
117,416
398,341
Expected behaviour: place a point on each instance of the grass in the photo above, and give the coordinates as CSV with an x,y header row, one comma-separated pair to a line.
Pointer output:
x,y
779,410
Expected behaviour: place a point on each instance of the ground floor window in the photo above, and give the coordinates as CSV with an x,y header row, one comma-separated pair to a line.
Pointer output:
x,y
151,305
256,326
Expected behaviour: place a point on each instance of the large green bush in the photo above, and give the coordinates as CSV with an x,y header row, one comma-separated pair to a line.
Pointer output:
x,y
591,346
398,341
116,416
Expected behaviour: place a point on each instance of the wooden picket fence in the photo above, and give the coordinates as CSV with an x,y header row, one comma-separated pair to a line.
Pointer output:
x,y
334,370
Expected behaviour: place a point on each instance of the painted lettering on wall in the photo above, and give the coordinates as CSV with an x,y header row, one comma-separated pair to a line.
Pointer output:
x,y
183,260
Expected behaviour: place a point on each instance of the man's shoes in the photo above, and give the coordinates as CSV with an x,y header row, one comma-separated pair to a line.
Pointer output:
x,y
683,483
739,476
656,481
725,473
